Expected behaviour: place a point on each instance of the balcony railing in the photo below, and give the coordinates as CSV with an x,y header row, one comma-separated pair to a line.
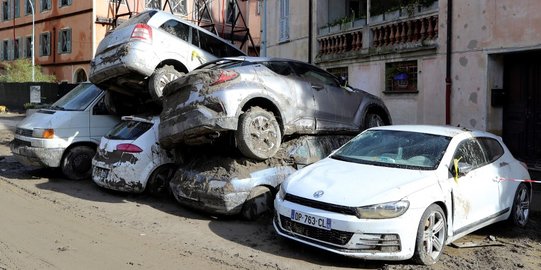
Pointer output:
x,y
417,32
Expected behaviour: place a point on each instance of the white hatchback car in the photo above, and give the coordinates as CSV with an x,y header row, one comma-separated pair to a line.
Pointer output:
x,y
400,192
130,159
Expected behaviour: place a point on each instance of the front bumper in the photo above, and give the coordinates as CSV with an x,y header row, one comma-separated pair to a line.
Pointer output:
x,y
31,156
380,239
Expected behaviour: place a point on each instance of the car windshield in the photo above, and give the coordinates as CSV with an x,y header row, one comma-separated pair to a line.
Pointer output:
x,y
139,18
401,149
128,130
78,98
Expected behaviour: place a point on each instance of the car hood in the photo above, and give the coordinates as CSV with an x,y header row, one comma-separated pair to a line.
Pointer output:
x,y
352,184
43,119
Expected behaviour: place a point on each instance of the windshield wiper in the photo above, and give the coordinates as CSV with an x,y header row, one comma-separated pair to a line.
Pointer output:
x,y
58,108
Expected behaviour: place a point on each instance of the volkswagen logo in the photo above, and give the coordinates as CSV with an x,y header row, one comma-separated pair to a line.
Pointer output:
x,y
318,193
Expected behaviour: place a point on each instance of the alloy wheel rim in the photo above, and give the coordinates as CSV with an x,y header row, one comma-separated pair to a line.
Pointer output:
x,y
433,235
522,207
262,131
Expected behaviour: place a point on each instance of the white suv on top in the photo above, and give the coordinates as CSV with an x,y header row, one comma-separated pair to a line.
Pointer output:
x,y
151,49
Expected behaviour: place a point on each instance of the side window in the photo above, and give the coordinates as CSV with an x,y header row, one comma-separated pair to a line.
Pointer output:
x,y
492,147
100,108
470,152
314,75
177,29
281,68
215,46
195,37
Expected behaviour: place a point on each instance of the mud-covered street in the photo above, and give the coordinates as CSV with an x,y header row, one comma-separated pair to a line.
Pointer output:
x,y
48,222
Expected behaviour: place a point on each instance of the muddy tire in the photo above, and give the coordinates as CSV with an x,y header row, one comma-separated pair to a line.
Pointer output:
x,y
373,120
431,236
258,203
77,162
160,78
520,212
258,134
158,182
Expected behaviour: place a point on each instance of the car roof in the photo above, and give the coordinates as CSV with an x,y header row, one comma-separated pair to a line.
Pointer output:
x,y
448,131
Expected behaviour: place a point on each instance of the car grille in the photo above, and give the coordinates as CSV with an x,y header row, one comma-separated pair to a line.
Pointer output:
x,y
321,205
329,236
23,132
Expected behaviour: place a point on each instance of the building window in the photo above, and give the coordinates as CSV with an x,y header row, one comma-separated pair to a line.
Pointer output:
x,y
339,72
401,76
16,5
178,7
17,48
28,47
64,41
202,10
80,76
64,3
284,20
28,7
5,50
45,5
5,10
45,44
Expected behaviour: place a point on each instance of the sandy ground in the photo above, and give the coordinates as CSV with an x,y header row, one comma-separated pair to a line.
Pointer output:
x,y
48,222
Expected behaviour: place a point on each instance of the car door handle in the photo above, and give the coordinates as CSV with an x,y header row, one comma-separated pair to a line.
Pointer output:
x,y
317,86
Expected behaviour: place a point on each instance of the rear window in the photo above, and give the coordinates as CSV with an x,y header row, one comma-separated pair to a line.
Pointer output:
x,y
139,18
128,130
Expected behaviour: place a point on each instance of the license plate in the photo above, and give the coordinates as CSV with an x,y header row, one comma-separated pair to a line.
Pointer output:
x,y
311,220
101,172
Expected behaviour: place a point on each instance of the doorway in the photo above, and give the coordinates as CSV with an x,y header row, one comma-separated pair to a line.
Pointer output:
x,y
522,107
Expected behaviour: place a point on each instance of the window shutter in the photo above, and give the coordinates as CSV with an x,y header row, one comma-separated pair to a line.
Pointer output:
x,y
68,40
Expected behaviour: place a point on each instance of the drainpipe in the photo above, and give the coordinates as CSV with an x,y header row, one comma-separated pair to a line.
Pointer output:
x,y
263,48
448,82
310,7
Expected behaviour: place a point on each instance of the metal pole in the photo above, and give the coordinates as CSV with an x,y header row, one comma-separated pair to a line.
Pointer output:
x,y
33,29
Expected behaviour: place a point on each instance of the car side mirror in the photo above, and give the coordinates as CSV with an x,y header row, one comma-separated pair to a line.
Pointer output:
x,y
458,168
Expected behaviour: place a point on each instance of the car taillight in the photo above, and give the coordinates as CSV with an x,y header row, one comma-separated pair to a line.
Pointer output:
x,y
225,75
128,147
142,32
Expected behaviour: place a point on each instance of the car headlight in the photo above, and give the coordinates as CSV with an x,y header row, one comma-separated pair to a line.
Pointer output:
x,y
45,133
383,210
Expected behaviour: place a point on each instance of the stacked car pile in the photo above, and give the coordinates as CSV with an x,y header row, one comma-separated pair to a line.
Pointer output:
x,y
230,131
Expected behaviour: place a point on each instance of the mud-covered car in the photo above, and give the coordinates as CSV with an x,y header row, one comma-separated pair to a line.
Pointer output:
x,y
151,49
229,185
260,100
129,158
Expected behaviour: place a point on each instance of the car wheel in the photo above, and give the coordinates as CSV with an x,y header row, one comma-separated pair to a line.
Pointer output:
x,y
160,78
258,203
258,135
521,206
373,120
431,236
158,182
77,162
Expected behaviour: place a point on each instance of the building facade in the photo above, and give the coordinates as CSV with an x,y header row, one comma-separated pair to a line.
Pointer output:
x,y
468,63
67,32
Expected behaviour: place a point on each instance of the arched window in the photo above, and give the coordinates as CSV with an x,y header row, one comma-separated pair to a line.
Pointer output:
x,y
80,76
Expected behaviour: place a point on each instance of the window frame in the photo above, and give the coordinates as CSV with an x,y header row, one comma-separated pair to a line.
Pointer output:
x,y
17,48
27,8
5,10
64,3
45,5
4,54
69,41
411,70
41,45
27,48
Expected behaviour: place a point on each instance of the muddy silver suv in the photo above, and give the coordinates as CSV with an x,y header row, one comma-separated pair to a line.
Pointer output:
x,y
151,49
261,100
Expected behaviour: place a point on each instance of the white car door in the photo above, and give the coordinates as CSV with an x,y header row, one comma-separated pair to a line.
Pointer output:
x,y
475,192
